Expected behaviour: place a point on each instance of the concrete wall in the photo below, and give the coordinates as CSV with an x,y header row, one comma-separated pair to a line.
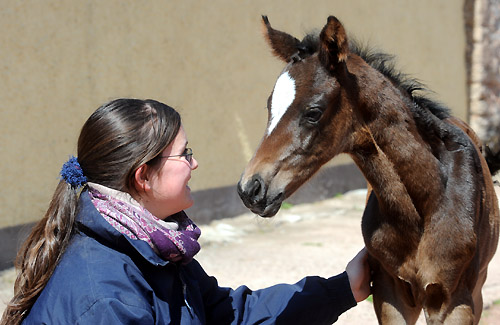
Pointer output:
x,y
484,78
60,60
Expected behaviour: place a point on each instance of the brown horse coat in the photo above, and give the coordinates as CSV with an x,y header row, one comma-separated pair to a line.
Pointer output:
x,y
431,218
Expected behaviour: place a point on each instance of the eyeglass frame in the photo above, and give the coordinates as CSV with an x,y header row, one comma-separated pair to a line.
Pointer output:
x,y
188,155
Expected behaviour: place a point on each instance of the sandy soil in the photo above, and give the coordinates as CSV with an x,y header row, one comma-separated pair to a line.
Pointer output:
x,y
309,239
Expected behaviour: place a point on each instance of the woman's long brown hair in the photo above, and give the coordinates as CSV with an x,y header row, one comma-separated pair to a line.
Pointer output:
x,y
117,139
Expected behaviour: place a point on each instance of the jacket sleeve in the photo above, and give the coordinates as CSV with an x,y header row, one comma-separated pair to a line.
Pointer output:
x,y
312,300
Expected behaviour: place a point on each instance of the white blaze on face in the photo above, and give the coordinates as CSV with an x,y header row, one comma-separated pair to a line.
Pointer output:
x,y
283,96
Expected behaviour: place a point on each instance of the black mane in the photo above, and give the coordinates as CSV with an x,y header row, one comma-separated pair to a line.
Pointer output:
x,y
385,64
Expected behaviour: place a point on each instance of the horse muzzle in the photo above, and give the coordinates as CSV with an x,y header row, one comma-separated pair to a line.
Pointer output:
x,y
256,196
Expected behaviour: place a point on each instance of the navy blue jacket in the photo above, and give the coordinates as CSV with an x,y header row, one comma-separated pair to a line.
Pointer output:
x,y
107,278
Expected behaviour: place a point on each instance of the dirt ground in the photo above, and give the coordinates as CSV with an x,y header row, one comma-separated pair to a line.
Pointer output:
x,y
308,239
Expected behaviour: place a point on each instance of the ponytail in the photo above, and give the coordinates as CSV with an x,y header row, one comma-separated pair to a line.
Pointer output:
x,y
41,252
118,138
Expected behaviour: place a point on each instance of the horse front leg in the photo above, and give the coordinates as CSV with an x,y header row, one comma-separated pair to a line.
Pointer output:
x,y
463,307
455,310
390,300
477,295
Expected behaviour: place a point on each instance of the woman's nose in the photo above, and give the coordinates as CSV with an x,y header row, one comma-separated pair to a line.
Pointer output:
x,y
194,163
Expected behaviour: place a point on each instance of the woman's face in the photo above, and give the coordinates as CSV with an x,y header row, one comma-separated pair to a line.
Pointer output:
x,y
168,191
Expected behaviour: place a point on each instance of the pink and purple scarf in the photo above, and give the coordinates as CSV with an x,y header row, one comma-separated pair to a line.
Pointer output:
x,y
175,239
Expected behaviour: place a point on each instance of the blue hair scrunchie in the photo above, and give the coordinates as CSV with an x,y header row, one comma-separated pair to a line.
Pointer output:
x,y
72,173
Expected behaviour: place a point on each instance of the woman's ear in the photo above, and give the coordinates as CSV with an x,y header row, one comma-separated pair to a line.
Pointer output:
x,y
141,179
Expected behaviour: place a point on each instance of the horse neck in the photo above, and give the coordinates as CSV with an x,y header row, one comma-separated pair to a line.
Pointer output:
x,y
395,159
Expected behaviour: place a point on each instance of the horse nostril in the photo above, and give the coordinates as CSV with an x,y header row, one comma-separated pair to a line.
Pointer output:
x,y
253,191
256,189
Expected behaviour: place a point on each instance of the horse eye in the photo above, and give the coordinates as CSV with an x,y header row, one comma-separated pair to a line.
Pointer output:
x,y
312,115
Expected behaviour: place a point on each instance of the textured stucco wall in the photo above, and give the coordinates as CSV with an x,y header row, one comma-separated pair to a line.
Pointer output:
x,y
59,60
485,71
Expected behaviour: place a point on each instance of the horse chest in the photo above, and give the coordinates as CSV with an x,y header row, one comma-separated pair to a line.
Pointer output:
x,y
390,241
440,253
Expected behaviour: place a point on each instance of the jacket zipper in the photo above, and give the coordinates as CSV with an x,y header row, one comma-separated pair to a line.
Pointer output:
x,y
184,292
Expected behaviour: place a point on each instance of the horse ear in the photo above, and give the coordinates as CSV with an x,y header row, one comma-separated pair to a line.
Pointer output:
x,y
283,44
333,44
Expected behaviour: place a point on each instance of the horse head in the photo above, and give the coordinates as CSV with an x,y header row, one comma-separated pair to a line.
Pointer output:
x,y
303,109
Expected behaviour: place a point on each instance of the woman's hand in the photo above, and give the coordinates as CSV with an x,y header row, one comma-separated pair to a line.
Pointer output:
x,y
358,272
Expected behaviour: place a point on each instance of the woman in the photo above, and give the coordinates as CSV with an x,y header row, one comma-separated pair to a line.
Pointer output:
x,y
115,246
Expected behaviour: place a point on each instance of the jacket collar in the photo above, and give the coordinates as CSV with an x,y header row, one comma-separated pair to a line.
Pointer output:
x,y
91,219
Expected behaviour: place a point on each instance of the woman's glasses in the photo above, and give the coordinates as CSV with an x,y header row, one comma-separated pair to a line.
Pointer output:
x,y
188,154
